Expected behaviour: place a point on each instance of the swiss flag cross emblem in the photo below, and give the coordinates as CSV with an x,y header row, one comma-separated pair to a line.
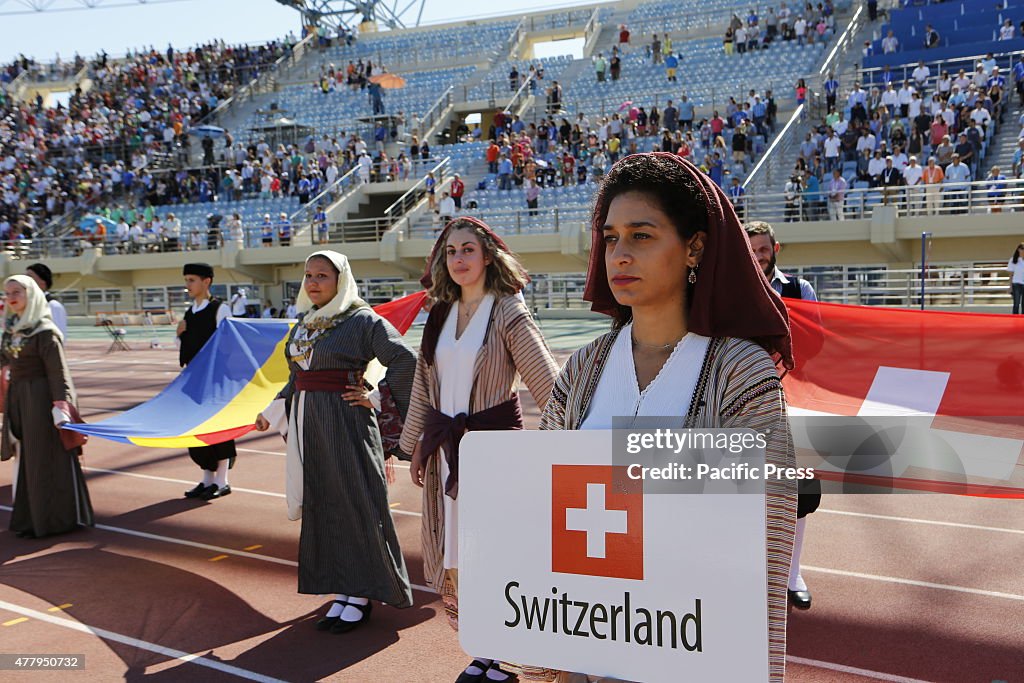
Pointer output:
x,y
597,526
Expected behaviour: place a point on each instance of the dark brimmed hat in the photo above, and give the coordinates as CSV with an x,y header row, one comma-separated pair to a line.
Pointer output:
x,y
44,273
203,270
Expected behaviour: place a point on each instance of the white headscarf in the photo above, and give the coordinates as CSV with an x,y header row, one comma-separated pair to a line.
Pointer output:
x,y
346,298
36,317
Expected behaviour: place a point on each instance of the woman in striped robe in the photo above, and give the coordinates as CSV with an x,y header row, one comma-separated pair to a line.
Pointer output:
x,y
478,337
696,325
336,470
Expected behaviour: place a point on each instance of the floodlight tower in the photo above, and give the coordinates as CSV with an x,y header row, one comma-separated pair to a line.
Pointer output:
x,y
356,14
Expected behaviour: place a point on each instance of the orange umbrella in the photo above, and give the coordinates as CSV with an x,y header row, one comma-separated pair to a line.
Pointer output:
x,y
388,81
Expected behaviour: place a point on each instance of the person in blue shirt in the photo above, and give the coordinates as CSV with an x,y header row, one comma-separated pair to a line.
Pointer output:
x,y
1018,78
284,230
505,173
759,112
736,193
716,169
686,113
376,98
671,64
322,230
812,197
831,91
996,186
267,231
956,187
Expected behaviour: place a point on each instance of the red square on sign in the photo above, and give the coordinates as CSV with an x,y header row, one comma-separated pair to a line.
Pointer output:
x,y
597,528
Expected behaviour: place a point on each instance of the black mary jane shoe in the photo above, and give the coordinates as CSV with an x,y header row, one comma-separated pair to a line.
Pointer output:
x,y
325,623
800,599
342,626
466,677
25,534
198,491
511,677
215,491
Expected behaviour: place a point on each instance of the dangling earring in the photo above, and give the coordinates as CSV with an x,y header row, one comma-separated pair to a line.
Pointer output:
x,y
692,278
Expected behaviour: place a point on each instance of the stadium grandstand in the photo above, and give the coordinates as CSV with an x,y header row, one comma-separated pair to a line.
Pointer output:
x,y
114,170
883,143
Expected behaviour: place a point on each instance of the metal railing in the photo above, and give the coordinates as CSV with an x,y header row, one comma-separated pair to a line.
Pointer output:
x,y
591,30
904,72
780,148
842,45
945,286
437,111
522,95
413,195
779,152
332,193
513,42
539,221
979,197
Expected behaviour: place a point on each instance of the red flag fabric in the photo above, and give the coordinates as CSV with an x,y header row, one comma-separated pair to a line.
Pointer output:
x,y
401,312
839,350
966,369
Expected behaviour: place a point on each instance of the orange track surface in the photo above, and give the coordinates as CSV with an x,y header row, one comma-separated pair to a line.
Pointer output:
x,y
241,610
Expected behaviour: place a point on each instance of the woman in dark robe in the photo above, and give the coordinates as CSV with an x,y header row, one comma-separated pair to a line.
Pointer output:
x,y
336,478
50,496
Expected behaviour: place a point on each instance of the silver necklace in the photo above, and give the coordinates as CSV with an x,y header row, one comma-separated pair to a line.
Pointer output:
x,y
660,347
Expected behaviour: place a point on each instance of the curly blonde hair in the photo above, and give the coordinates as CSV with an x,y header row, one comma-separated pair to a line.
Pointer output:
x,y
503,275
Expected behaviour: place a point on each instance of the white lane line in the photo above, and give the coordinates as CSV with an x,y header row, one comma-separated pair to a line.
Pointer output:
x,y
136,643
403,465
233,488
914,520
177,481
253,450
207,546
911,582
852,670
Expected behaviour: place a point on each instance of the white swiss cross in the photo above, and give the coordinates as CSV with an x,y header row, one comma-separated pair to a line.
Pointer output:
x,y
596,521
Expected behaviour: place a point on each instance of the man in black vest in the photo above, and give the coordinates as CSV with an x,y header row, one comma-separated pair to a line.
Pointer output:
x,y
201,321
766,250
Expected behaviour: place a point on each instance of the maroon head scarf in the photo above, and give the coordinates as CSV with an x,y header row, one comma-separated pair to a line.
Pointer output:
x,y
732,297
439,311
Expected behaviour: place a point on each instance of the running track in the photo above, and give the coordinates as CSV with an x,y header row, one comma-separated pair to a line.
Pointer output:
x,y
906,588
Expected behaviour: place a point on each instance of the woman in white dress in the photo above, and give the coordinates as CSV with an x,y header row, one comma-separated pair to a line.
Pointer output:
x,y
478,337
696,328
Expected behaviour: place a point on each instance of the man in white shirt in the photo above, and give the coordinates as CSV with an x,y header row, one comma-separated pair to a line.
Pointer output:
x,y
905,95
866,141
446,207
291,311
841,125
800,29
890,43
875,168
836,196
890,99
239,301
899,159
912,179
831,145
921,75
980,115
43,276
